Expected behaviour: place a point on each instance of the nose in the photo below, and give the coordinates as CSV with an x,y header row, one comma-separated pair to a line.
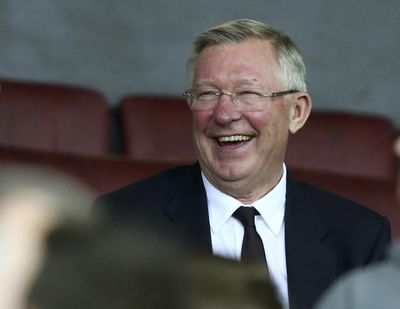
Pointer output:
x,y
232,96
226,110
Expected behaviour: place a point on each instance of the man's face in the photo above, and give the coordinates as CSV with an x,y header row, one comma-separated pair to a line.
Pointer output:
x,y
253,164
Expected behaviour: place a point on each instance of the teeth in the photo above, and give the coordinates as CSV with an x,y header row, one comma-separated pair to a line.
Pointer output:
x,y
233,138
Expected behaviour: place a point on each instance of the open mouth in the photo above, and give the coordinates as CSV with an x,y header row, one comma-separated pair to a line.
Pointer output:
x,y
233,139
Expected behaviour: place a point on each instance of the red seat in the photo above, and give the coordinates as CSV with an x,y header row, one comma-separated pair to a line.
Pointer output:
x,y
157,128
377,194
101,173
346,144
53,117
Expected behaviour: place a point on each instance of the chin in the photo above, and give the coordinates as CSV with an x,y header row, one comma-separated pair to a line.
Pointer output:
x,y
230,172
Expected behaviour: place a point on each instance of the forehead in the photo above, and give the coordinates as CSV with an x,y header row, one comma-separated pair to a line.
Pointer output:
x,y
251,60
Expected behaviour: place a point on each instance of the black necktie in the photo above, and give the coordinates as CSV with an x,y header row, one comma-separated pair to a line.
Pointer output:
x,y
252,248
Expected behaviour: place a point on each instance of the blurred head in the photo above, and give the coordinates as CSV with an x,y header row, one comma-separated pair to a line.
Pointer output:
x,y
45,194
32,202
108,265
119,266
247,68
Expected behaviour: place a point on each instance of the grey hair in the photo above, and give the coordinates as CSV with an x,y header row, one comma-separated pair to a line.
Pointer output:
x,y
293,70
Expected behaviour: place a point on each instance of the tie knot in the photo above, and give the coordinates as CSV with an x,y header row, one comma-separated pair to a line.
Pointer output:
x,y
246,215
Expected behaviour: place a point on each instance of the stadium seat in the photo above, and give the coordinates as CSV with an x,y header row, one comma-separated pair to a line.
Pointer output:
x,y
53,117
345,144
157,128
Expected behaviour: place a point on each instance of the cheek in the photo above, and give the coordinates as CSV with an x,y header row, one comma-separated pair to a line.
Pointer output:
x,y
270,124
261,122
200,122
199,136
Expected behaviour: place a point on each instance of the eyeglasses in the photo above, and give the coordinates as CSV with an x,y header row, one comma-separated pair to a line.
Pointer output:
x,y
207,98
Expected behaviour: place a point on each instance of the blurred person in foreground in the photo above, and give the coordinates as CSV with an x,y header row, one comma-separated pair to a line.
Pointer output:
x,y
372,287
103,265
33,201
247,93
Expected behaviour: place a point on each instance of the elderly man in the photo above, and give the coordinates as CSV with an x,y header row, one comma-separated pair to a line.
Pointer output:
x,y
247,94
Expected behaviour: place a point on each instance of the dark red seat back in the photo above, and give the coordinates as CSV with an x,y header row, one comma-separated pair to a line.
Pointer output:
x,y
346,144
53,117
157,128
102,173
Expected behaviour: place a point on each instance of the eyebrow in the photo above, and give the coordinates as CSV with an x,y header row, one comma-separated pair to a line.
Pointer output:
x,y
238,83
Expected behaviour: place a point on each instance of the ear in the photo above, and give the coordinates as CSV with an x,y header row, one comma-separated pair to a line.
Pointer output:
x,y
300,109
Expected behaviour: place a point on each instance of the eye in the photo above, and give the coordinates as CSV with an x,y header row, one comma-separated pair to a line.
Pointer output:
x,y
249,95
206,94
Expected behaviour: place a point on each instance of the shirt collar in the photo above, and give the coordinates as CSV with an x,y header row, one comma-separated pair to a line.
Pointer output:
x,y
271,206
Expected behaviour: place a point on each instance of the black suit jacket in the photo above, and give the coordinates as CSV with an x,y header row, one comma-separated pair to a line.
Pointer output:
x,y
325,235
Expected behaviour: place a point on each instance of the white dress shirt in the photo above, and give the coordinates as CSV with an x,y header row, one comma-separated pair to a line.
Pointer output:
x,y
227,232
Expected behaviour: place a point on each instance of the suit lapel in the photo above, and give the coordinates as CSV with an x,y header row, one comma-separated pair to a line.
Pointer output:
x,y
189,212
310,264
